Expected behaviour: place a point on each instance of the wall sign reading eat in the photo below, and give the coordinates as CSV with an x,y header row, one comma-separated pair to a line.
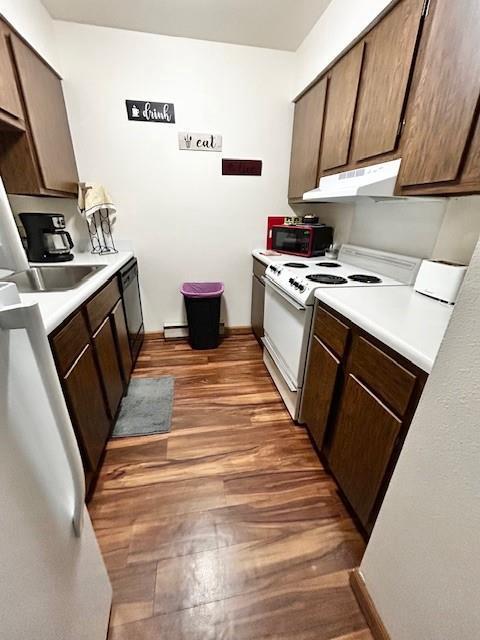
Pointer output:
x,y
150,111
199,141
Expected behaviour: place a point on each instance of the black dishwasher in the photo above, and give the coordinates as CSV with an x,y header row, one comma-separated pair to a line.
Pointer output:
x,y
133,305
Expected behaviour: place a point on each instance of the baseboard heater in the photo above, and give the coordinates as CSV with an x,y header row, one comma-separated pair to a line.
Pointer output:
x,y
177,331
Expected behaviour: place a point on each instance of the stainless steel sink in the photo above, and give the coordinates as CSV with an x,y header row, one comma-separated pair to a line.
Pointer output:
x,y
61,278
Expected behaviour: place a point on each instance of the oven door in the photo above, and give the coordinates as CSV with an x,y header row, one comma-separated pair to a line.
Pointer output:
x,y
287,329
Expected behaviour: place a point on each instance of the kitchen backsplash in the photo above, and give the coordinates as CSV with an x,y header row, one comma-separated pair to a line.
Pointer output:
x,y
445,230
76,226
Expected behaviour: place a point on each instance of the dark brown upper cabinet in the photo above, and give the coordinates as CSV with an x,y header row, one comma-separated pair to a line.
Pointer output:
x,y
441,145
11,113
307,135
39,161
387,68
343,82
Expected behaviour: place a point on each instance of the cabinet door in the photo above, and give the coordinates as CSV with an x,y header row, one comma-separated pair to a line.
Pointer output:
x,y
307,135
258,304
341,103
47,120
123,344
319,388
389,55
109,365
87,407
9,97
442,114
362,444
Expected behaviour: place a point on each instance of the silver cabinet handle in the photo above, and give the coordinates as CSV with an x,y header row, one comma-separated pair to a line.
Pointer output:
x,y
28,317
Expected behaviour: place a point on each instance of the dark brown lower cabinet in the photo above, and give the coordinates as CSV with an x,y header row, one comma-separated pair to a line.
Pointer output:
x,y
364,438
322,376
108,362
258,304
123,345
258,298
87,406
94,362
359,398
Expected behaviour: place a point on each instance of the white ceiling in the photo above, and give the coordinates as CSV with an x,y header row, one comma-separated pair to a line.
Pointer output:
x,y
277,24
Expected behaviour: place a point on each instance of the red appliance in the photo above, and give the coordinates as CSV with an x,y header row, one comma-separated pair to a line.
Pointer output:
x,y
271,222
302,240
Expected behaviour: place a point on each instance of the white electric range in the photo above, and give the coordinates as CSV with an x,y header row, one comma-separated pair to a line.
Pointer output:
x,y
289,298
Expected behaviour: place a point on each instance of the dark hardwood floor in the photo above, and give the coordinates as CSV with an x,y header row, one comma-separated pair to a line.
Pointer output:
x,y
227,528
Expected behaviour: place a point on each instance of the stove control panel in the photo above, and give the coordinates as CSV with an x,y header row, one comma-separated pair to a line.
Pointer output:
x,y
296,284
276,270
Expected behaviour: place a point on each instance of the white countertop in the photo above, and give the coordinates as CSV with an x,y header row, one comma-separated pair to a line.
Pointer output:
x,y
55,306
410,323
281,257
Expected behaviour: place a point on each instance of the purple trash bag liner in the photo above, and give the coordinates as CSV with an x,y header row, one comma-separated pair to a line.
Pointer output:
x,y
202,289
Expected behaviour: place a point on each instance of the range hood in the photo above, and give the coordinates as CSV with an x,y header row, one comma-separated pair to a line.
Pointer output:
x,y
376,181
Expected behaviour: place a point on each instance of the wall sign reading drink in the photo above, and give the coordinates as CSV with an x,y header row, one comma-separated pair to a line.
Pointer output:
x,y
199,141
150,111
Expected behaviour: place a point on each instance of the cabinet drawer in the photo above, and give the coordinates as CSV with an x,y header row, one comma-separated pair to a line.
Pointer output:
x,y
69,342
259,268
100,306
389,379
331,331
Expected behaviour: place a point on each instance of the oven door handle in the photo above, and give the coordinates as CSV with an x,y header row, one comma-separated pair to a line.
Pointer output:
x,y
284,295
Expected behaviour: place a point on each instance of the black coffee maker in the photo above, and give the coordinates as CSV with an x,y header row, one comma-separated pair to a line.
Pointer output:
x,y
47,240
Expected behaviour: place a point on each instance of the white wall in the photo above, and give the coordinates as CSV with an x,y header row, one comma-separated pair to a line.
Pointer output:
x,y
460,230
422,565
342,22
407,227
34,23
183,218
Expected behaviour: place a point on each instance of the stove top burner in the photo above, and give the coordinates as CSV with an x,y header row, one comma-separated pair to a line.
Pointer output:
x,y
329,265
360,277
326,278
296,265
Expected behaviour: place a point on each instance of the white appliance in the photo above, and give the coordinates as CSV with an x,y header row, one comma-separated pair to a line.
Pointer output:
x,y
289,297
376,181
440,280
53,580
12,255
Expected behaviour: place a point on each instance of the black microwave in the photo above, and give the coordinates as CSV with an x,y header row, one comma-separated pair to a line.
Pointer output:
x,y
302,240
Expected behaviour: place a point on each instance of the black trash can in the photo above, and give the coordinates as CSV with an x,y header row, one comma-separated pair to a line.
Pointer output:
x,y
202,301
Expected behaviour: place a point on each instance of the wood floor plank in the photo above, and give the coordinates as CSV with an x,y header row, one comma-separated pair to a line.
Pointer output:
x,y
317,608
195,532
189,581
228,527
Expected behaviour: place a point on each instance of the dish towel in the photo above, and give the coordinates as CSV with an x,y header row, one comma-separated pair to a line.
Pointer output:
x,y
93,198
